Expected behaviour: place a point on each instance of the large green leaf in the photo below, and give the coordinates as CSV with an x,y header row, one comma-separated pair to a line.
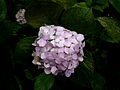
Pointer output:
x,y
43,12
84,73
79,18
98,82
8,29
111,29
43,82
82,76
88,61
97,4
116,4
24,50
3,10
65,3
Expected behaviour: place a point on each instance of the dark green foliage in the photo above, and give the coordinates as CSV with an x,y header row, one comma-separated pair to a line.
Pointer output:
x,y
116,4
8,29
65,3
111,31
43,82
3,10
23,50
79,18
98,20
43,12
97,4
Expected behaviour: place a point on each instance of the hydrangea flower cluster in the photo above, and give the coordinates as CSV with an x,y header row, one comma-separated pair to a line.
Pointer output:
x,y
58,50
20,16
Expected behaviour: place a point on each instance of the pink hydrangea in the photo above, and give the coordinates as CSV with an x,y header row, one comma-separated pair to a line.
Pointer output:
x,y
58,50
20,16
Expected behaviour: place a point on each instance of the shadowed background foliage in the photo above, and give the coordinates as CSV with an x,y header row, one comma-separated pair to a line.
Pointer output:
x,y
98,20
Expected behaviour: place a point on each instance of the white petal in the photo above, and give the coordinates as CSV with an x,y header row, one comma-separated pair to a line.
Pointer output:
x,y
80,59
47,71
52,37
46,65
34,62
38,63
57,39
80,37
53,42
43,56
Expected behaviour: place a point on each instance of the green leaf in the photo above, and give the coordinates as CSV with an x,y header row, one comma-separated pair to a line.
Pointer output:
x,y
39,13
43,82
111,29
8,29
82,76
88,61
24,51
19,82
98,82
65,3
115,4
84,73
98,4
28,74
3,10
79,18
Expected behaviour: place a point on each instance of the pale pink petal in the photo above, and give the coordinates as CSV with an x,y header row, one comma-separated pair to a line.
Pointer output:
x,y
67,43
66,50
61,67
60,44
41,42
75,56
80,37
67,73
46,65
61,55
65,64
67,34
53,69
70,66
74,33
60,50
43,56
53,42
